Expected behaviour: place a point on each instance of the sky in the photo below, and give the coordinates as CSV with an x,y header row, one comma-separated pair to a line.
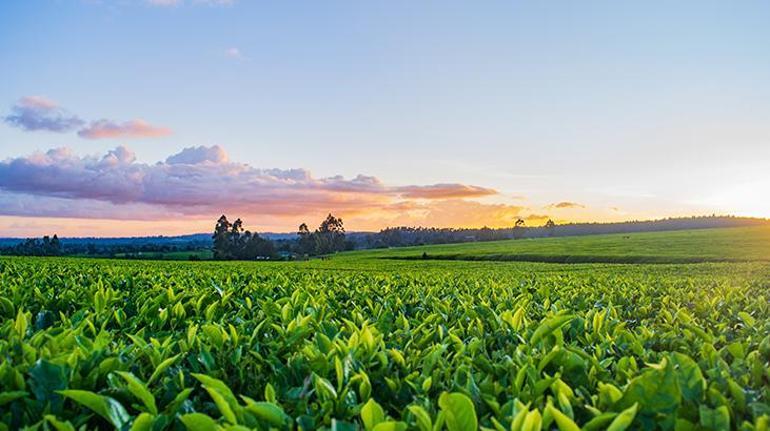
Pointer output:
x,y
143,117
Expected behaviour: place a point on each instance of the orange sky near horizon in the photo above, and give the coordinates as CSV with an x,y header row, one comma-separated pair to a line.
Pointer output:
x,y
19,227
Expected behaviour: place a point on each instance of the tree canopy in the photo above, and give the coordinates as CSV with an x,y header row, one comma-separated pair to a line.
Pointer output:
x,y
231,241
328,238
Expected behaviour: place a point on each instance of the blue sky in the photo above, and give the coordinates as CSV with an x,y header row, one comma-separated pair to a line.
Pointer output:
x,y
628,110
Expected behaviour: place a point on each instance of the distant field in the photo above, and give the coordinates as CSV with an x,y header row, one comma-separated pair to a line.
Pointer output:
x,y
170,255
749,244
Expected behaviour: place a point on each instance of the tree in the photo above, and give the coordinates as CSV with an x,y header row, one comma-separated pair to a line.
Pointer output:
x,y
486,234
330,236
332,225
47,246
232,242
549,227
518,229
237,239
256,247
306,241
221,237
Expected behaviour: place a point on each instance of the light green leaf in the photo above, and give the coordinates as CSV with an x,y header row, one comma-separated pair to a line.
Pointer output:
x,y
624,419
139,390
21,323
372,414
599,422
564,422
162,367
324,387
59,425
199,422
422,418
547,327
460,414
268,412
176,403
106,407
269,393
390,426
747,319
533,421
222,395
143,422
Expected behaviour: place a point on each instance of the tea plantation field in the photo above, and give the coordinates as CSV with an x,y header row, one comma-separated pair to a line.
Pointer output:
x,y
686,246
360,342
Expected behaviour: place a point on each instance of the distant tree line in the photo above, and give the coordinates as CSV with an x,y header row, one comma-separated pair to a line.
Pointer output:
x,y
97,247
405,236
231,242
47,246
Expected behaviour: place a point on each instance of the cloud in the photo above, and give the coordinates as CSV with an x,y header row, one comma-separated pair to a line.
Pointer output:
x,y
201,182
461,213
29,205
445,191
566,204
106,129
197,155
234,53
36,113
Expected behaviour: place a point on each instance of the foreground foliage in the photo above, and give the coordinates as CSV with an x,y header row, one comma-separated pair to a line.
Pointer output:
x,y
426,346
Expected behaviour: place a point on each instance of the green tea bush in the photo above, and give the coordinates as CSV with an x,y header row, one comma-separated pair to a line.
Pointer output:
x,y
175,345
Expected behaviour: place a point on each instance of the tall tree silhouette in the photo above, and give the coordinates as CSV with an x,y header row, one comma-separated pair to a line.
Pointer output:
x,y
330,236
221,237
519,229
306,241
550,226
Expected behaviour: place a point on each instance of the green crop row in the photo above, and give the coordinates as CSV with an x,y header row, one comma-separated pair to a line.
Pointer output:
x,y
203,346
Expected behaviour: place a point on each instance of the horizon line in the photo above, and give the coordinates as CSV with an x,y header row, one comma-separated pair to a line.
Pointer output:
x,y
653,220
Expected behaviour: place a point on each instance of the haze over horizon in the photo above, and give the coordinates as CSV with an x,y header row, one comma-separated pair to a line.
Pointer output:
x,y
446,115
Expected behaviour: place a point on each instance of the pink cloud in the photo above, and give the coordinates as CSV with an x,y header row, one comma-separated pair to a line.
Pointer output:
x,y
201,181
38,102
37,113
445,191
106,129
